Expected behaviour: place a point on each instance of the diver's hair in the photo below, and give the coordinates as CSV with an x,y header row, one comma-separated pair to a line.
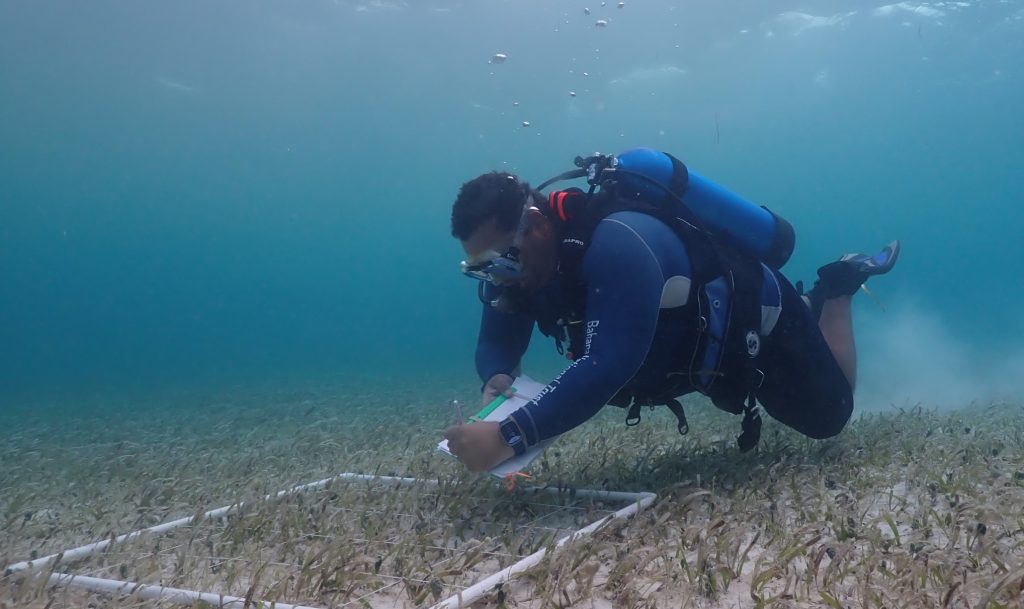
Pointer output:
x,y
497,195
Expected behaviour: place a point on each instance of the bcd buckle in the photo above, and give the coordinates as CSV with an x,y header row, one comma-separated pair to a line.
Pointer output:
x,y
751,427
682,426
633,415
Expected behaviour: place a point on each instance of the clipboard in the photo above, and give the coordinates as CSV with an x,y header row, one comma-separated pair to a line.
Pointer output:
x,y
525,390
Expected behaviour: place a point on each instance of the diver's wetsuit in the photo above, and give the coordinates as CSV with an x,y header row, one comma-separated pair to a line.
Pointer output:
x,y
640,334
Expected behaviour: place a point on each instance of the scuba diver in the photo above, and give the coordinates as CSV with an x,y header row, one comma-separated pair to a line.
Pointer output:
x,y
655,282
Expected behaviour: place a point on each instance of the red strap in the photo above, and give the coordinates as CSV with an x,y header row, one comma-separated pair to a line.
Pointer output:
x,y
510,479
556,200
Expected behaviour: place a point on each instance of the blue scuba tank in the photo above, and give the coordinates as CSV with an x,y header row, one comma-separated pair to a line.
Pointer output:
x,y
650,175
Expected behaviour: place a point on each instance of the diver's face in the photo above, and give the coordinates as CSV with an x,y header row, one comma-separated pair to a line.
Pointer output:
x,y
538,252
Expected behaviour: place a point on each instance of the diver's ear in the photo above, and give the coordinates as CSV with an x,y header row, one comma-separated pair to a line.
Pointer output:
x,y
539,222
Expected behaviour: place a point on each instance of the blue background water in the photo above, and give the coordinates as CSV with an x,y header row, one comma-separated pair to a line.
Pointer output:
x,y
196,193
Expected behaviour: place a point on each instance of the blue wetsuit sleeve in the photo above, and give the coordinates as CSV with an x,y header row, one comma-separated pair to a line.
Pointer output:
x,y
624,284
502,341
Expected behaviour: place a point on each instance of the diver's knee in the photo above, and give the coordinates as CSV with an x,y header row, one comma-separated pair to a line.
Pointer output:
x,y
829,426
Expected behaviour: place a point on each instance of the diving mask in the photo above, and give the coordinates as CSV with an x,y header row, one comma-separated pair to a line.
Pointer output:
x,y
497,269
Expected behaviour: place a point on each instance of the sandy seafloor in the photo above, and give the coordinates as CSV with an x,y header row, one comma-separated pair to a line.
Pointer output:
x,y
908,507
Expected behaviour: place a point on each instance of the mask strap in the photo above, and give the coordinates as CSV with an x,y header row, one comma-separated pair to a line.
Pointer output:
x,y
524,221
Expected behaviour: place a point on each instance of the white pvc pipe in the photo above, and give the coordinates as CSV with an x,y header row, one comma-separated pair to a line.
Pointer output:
x,y
176,595
92,548
162,593
595,494
482,587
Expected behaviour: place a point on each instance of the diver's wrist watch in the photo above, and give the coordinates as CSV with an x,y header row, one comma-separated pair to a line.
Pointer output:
x,y
512,436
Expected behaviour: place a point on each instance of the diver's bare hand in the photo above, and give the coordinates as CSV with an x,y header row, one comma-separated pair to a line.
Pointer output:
x,y
499,384
478,445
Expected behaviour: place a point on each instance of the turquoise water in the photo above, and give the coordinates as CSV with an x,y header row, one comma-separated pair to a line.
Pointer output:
x,y
197,193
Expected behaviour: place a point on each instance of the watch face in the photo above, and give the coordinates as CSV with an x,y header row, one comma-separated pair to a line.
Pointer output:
x,y
510,434
513,439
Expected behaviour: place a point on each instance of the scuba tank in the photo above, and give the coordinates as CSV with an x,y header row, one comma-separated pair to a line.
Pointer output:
x,y
649,175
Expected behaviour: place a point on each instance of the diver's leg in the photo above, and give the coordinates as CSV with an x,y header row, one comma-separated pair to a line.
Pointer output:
x,y
830,301
804,385
836,326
